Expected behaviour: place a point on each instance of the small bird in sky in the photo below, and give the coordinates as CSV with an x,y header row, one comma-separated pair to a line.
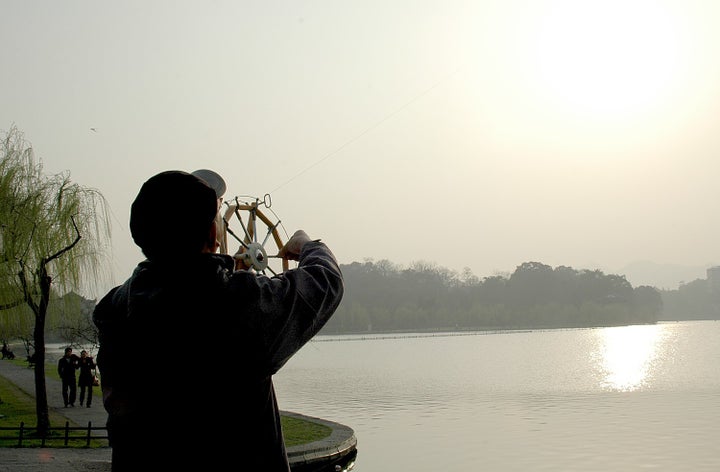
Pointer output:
x,y
93,129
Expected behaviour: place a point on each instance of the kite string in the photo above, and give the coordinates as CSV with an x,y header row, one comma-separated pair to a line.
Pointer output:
x,y
367,130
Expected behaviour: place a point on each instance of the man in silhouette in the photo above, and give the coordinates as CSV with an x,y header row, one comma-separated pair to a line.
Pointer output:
x,y
173,408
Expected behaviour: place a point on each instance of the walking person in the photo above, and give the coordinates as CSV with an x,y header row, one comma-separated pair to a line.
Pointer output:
x,y
185,290
86,377
66,369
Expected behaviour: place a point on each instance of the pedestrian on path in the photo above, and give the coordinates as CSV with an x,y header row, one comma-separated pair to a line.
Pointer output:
x,y
86,377
66,369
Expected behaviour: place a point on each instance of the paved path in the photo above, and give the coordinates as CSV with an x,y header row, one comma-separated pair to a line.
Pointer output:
x,y
340,442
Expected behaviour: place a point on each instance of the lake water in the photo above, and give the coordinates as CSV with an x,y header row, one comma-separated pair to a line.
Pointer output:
x,y
603,399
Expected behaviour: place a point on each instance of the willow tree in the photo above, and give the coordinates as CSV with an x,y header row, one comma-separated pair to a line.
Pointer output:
x,y
53,234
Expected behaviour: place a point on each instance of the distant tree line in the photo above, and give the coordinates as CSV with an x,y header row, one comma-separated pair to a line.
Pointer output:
x,y
696,300
381,296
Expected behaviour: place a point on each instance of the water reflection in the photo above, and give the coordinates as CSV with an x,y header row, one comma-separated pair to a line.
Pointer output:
x,y
627,354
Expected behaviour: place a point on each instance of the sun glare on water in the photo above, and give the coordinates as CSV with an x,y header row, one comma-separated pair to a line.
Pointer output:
x,y
612,57
627,355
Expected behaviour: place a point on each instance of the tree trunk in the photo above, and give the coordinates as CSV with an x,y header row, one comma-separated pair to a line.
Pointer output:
x,y
41,401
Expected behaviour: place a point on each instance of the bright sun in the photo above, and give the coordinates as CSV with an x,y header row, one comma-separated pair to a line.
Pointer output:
x,y
609,57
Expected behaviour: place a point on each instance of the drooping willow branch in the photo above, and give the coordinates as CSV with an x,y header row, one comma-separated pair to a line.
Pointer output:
x,y
66,248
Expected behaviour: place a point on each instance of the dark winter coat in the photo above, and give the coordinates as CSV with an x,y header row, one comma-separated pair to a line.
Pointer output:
x,y
199,319
67,366
87,367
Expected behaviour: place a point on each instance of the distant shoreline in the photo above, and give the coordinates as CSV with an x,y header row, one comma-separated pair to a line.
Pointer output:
x,y
478,331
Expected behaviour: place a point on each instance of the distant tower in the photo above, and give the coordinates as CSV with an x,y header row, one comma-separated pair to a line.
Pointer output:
x,y
713,278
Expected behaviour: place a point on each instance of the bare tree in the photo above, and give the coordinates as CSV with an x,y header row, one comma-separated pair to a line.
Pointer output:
x,y
54,233
72,322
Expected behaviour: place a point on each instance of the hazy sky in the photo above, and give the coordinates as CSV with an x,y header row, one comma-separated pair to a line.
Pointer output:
x,y
479,134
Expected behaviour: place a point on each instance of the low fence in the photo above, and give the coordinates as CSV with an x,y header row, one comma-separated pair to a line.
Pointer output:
x,y
65,435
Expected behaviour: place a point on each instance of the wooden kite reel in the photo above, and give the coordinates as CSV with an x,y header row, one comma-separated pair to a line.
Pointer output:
x,y
244,221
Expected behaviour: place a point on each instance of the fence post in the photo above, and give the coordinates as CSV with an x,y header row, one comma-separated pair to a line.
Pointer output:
x,y
20,435
87,443
67,432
